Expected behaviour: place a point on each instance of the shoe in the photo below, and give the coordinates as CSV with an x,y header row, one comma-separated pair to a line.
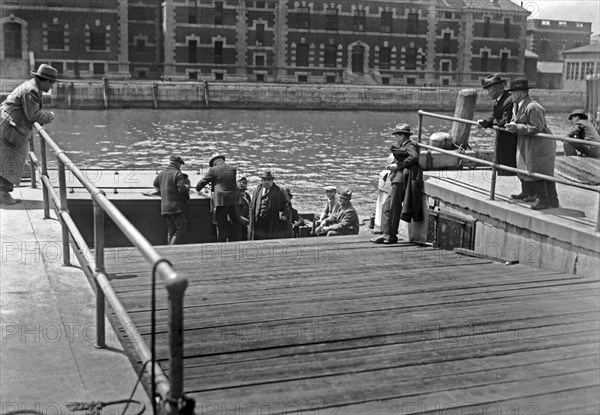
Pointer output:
x,y
540,206
530,199
520,196
378,240
390,241
7,199
554,205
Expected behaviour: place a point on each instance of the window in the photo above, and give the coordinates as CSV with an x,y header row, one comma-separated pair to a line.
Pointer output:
x,y
218,76
330,79
97,38
218,12
385,80
385,58
448,15
445,66
330,56
413,24
360,20
577,44
446,43
56,37
562,23
445,82
58,66
260,4
303,17
140,45
544,47
411,59
193,75
587,68
331,19
193,12
486,27
578,24
410,81
302,55
507,28
572,70
218,52
141,74
259,60
192,51
98,68
260,34
484,61
260,77
386,22
504,62
303,78
545,22
12,40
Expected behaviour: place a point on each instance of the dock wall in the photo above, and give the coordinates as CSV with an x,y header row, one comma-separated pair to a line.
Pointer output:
x,y
202,95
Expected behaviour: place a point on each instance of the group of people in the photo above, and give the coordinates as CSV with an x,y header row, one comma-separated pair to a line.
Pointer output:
x,y
267,214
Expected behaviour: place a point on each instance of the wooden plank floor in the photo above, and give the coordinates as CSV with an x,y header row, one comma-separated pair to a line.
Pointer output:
x,y
343,326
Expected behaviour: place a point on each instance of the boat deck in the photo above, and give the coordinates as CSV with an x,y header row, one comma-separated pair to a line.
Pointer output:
x,y
343,326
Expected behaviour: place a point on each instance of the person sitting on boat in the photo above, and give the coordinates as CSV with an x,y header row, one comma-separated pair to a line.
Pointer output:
x,y
583,130
406,176
331,206
245,201
269,211
344,221
174,189
295,220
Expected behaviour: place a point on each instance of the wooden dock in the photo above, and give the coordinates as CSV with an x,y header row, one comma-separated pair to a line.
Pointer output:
x,y
343,326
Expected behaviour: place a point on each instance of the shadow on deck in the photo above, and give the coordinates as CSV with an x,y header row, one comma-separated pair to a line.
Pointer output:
x,y
340,325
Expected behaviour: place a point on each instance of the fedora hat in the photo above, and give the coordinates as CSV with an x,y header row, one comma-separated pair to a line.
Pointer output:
x,y
47,72
402,129
214,158
243,179
519,84
491,80
346,194
267,175
176,159
580,112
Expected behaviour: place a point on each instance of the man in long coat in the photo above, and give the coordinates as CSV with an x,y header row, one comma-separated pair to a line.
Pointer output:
x,y
269,211
174,188
534,154
18,112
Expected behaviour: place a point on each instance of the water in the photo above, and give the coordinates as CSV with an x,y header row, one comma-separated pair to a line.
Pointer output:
x,y
306,150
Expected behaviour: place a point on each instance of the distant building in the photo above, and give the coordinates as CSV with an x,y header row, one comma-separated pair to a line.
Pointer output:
x,y
549,75
578,63
396,42
549,38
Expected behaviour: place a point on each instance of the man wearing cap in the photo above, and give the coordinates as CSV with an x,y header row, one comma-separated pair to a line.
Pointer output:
x,y
406,176
343,222
225,198
583,130
269,211
534,154
174,188
245,201
331,206
21,108
506,143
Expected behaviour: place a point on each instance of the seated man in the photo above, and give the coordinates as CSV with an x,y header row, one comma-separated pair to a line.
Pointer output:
x,y
583,130
332,205
344,221
295,220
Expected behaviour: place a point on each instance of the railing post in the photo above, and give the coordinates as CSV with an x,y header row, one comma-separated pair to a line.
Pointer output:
x,y
44,174
62,187
493,184
99,257
420,127
176,294
598,219
32,164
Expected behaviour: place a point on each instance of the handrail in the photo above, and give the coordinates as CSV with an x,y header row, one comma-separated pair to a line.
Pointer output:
x,y
495,166
169,388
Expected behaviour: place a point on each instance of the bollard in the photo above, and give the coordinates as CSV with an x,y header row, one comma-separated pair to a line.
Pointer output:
x,y
465,109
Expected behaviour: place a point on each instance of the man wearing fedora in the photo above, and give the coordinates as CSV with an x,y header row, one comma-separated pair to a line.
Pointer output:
x,y
406,176
506,143
225,198
269,211
174,189
19,111
536,155
583,130
245,201
343,222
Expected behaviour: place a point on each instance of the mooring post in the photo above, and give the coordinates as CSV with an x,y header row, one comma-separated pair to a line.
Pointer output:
x,y
155,95
70,93
206,96
105,92
465,109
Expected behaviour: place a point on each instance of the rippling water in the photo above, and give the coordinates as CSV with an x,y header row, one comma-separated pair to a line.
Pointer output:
x,y
306,150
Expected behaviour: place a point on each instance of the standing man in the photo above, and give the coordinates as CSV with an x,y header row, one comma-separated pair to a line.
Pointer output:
x,y
583,130
344,221
506,143
245,201
269,211
225,197
534,154
331,206
174,188
21,108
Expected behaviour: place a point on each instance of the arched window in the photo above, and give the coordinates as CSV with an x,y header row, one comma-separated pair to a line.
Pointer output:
x,y
411,59
12,40
302,54
330,56
385,58
97,38
56,37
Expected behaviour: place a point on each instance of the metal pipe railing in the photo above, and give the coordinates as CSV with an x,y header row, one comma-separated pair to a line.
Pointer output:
x,y
170,389
495,166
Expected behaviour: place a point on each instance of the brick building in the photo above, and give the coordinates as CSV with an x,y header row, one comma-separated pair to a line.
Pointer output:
x,y
549,38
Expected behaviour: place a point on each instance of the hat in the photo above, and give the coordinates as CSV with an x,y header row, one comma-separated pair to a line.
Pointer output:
x,y
402,129
47,72
491,81
214,158
580,112
177,159
330,188
243,179
289,192
519,85
267,175
346,194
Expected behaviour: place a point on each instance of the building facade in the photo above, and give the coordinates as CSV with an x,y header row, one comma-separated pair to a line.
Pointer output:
x,y
579,63
417,42
549,38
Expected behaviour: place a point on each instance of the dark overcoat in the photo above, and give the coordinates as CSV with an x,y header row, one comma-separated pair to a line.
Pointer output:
x,y
275,203
409,176
223,181
506,142
174,190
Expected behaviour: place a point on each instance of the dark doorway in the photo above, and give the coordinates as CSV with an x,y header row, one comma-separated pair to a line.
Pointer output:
x,y
12,40
358,58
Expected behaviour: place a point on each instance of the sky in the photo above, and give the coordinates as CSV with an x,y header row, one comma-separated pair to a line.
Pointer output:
x,y
581,11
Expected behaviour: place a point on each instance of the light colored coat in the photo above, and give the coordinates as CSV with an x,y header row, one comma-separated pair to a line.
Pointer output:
x,y
534,154
18,112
